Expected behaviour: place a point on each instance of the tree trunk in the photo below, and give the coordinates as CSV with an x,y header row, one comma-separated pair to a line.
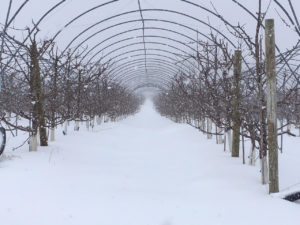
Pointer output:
x,y
76,125
202,124
100,120
66,127
252,156
264,170
39,121
229,138
263,153
17,118
220,137
8,116
33,143
87,123
93,122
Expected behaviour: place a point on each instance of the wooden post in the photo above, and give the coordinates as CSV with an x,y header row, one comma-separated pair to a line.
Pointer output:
x,y
281,136
224,141
243,146
272,106
66,127
236,103
209,128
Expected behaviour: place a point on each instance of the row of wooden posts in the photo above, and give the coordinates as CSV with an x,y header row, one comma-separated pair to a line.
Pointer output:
x,y
271,105
269,175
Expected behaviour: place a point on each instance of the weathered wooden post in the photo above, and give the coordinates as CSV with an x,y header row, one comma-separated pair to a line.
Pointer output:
x,y
271,106
66,127
209,128
243,146
236,103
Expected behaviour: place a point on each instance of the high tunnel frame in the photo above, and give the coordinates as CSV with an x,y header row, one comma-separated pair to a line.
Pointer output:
x,y
143,60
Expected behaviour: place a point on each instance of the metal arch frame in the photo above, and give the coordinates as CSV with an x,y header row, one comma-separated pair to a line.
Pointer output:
x,y
150,60
132,38
157,10
163,71
132,86
35,27
131,30
149,49
106,3
153,36
148,42
175,62
146,36
139,20
149,10
153,78
281,55
138,62
150,53
148,85
233,27
140,71
81,15
153,68
170,11
127,70
119,67
139,43
152,49
132,63
159,58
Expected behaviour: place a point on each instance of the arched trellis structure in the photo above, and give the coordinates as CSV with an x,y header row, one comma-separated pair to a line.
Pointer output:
x,y
162,39
170,49
148,85
167,48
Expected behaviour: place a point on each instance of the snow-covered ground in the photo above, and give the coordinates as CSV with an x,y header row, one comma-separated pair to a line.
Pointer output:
x,y
145,170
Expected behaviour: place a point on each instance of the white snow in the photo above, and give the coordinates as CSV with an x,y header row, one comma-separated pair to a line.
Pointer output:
x,y
145,170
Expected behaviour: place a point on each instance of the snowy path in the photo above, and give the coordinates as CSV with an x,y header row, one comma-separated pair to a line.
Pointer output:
x,y
145,170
